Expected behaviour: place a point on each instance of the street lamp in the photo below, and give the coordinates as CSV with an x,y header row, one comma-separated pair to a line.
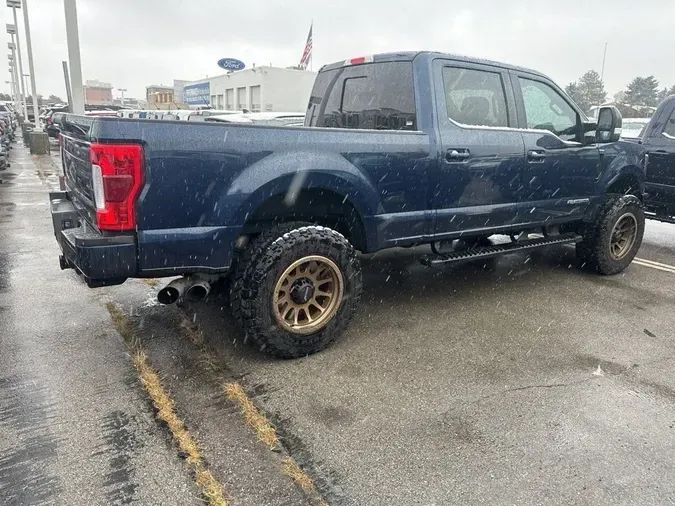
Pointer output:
x,y
23,4
15,76
73,38
13,30
122,90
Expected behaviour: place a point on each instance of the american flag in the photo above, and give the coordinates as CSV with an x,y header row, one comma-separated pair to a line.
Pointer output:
x,y
307,53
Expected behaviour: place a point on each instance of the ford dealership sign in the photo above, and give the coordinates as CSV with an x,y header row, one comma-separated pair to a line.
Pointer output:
x,y
231,64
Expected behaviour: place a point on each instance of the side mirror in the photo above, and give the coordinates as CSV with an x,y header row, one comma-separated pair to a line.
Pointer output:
x,y
609,125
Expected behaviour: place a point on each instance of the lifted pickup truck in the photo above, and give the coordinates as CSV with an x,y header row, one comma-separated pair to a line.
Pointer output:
x,y
658,139
397,150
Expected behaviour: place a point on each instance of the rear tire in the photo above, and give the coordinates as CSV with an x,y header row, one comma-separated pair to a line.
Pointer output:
x,y
610,244
299,291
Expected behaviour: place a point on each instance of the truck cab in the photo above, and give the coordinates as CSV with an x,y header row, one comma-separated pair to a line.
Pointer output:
x,y
658,140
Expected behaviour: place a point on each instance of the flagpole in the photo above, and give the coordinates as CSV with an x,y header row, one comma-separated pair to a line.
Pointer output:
x,y
311,60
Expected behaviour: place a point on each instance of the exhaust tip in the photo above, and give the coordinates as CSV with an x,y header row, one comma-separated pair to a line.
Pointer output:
x,y
197,292
168,295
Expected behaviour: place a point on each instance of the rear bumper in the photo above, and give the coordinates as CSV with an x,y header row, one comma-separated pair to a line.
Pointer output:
x,y
101,260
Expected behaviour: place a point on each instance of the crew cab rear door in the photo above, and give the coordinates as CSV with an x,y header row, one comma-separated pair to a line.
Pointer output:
x,y
560,171
660,146
482,156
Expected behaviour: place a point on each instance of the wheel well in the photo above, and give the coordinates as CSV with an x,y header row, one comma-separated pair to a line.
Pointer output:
x,y
627,184
323,207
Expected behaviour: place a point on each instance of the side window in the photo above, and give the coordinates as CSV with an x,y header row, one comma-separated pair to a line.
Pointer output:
x,y
378,96
669,129
475,97
546,109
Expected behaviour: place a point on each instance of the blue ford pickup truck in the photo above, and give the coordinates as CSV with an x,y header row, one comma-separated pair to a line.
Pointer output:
x,y
397,150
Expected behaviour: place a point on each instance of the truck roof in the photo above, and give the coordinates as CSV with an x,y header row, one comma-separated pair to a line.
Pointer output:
x,y
411,55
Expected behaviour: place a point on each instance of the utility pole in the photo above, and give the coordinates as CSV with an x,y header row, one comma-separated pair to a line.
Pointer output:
x,y
11,30
31,69
73,37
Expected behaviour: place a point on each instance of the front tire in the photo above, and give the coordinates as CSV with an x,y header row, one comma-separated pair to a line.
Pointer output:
x,y
610,244
300,291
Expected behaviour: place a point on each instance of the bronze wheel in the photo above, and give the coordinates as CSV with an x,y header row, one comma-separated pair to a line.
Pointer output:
x,y
308,294
623,236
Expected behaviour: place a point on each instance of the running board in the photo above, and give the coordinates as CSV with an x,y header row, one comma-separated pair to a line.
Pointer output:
x,y
659,217
499,249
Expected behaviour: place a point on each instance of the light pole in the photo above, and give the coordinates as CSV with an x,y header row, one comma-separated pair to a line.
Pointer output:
x,y
12,63
122,90
29,47
14,30
73,38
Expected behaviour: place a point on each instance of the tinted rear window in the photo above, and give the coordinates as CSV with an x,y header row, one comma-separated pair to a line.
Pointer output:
x,y
378,96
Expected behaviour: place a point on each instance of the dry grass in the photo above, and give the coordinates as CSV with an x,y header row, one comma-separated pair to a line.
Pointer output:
x,y
254,418
151,282
268,435
211,489
300,477
122,324
166,411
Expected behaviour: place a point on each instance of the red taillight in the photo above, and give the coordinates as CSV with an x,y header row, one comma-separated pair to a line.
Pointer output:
x,y
117,180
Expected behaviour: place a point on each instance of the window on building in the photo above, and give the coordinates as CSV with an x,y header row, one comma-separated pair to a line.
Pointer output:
x,y
229,99
220,102
475,97
255,99
241,99
376,97
213,101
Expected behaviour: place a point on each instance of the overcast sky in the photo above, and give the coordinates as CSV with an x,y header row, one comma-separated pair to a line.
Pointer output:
x,y
134,43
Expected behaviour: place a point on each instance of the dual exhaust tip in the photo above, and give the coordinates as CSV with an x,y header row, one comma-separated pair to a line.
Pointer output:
x,y
192,289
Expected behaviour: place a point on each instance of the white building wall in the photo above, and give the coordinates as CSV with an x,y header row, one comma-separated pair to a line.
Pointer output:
x,y
287,90
280,89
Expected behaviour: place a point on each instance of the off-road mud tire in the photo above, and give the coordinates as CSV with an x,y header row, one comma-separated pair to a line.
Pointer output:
x,y
253,288
593,251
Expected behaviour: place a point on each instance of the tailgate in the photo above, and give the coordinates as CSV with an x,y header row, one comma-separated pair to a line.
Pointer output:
x,y
75,146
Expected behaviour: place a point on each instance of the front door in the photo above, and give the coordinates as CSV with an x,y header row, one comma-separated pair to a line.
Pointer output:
x,y
661,166
560,171
479,175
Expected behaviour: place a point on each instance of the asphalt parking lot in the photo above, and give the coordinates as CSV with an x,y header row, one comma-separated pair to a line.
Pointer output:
x,y
521,381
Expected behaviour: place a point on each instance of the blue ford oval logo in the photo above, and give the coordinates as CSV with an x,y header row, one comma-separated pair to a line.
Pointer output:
x,y
231,64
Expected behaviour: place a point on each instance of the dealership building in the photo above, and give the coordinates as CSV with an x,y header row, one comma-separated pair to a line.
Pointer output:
x,y
258,89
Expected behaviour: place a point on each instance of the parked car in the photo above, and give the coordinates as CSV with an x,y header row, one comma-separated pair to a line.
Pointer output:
x,y
658,140
397,150
632,128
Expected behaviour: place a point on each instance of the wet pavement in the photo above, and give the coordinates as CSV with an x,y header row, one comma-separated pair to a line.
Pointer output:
x,y
522,381
75,427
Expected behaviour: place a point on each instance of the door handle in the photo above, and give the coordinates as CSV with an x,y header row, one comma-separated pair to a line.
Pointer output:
x,y
534,155
457,154
661,151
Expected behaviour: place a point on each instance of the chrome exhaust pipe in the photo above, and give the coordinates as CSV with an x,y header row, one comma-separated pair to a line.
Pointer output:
x,y
198,289
173,291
